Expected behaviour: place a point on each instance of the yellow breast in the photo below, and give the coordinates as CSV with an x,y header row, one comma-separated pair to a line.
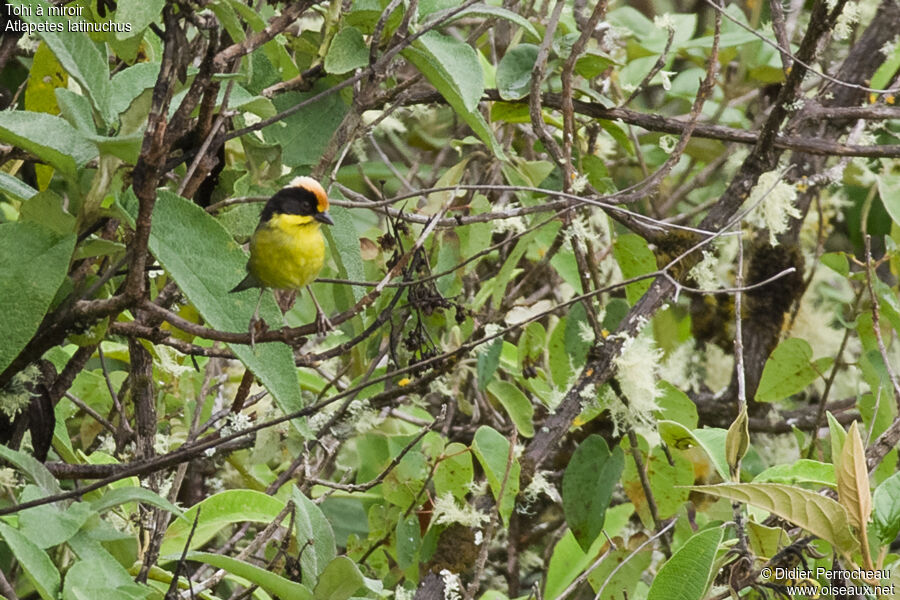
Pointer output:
x,y
286,252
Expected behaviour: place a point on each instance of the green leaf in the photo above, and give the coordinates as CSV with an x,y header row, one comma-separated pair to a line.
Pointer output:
x,y
409,540
48,137
449,179
488,361
686,575
577,347
38,567
124,147
766,541
118,496
248,14
129,83
886,72
348,51
668,483
454,472
106,577
270,582
36,472
312,527
15,188
492,451
712,440
305,134
837,262
501,280
343,240
87,580
532,343
889,190
674,405
453,68
568,561
635,258
821,516
50,524
517,405
228,18
837,435
46,209
561,369
30,281
621,571
588,483
592,64
494,11
886,509
788,371
217,512
799,472
402,484
77,111
139,13
514,71
206,263
338,581
348,514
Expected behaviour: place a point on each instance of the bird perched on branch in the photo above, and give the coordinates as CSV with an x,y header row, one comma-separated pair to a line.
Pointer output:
x,y
287,249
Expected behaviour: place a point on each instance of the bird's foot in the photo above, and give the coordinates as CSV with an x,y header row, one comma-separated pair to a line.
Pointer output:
x,y
323,325
257,327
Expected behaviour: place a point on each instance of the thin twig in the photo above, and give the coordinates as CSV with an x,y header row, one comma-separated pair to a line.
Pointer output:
x,y
363,487
787,51
480,562
621,564
876,323
645,486
93,413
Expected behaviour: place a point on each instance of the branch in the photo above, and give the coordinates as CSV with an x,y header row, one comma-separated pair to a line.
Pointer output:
x,y
277,25
764,157
675,125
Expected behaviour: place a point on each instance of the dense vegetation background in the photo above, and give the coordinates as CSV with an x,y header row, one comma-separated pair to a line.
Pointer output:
x,y
614,288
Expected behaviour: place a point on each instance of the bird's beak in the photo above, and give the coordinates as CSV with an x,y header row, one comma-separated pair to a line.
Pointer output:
x,y
323,217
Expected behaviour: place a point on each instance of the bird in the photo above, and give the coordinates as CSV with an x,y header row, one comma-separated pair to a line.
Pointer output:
x,y
287,249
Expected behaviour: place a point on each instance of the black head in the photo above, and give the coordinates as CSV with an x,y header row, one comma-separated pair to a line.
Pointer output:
x,y
304,196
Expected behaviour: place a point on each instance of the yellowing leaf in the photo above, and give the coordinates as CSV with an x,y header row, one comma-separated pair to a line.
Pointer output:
x,y
737,441
853,479
45,76
821,516
853,488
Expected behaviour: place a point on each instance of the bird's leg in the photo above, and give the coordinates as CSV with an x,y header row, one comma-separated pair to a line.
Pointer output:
x,y
323,325
255,320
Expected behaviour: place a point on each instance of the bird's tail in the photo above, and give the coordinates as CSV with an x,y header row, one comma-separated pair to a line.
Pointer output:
x,y
246,283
